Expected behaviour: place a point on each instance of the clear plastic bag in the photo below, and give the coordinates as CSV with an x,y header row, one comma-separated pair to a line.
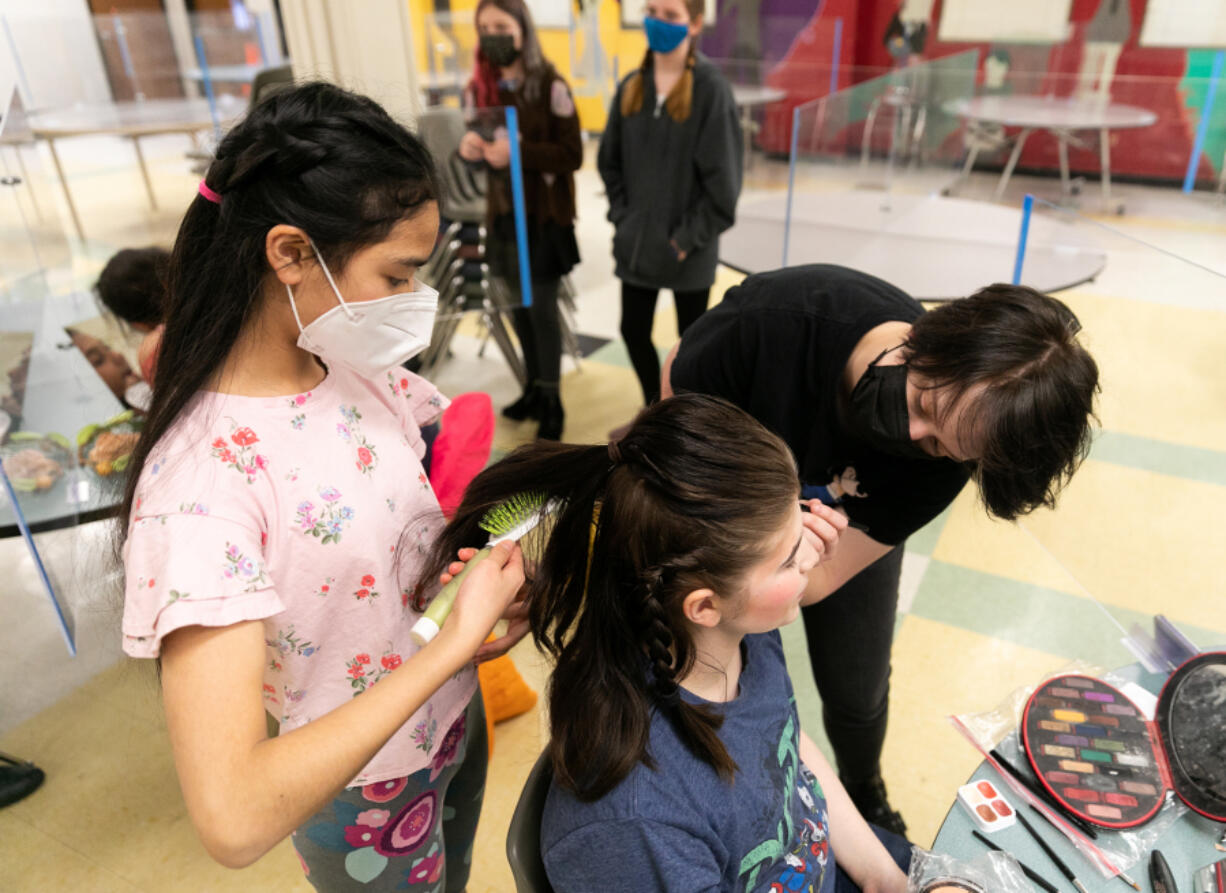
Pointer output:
x,y
992,872
1112,852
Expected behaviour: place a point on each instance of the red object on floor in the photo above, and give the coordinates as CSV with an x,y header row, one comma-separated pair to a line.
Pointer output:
x,y
462,447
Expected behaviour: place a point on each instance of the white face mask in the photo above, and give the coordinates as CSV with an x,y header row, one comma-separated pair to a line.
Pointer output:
x,y
369,337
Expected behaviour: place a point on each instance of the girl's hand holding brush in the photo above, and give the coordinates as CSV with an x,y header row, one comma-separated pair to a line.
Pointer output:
x,y
485,595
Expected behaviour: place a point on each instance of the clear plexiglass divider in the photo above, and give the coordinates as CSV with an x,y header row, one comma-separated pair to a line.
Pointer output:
x,y
1137,530
860,161
36,259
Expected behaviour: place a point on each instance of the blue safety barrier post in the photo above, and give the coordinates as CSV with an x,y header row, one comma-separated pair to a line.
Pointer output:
x,y
834,56
259,38
21,70
517,199
1027,208
787,217
208,86
38,563
121,38
1189,178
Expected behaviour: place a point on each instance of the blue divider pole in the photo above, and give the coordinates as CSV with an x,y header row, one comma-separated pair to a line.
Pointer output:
x,y
121,37
517,199
787,217
21,71
38,563
1027,208
259,38
208,86
1189,178
834,56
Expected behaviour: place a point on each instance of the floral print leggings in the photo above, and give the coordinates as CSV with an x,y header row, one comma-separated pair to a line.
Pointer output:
x,y
410,833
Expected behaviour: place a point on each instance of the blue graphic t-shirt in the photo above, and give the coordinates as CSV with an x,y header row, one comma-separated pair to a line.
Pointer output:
x,y
680,828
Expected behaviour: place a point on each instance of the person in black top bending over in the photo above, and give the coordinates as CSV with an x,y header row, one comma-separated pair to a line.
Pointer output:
x,y
889,411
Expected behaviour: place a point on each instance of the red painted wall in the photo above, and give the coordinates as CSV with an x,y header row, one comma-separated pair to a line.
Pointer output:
x,y
1146,77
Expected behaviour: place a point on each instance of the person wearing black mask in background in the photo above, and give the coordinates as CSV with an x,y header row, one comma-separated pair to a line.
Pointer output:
x,y
889,411
510,70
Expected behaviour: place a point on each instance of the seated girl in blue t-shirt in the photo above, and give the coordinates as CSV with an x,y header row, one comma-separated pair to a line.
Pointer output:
x,y
678,759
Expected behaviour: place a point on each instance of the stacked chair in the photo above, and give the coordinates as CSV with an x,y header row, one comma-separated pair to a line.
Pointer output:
x,y
458,269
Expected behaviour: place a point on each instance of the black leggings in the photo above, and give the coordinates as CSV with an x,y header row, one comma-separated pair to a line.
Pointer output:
x,y
850,634
540,334
638,314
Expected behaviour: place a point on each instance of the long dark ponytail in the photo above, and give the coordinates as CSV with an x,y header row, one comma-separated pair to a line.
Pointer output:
x,y
315,156
687,500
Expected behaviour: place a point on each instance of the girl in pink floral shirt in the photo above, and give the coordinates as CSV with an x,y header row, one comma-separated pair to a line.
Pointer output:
x,y
277,508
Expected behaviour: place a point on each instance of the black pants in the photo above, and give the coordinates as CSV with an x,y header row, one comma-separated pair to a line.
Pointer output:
x,y
540,334
849,635
638,313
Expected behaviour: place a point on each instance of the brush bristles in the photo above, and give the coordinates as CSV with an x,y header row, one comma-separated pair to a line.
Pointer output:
x,y
504,518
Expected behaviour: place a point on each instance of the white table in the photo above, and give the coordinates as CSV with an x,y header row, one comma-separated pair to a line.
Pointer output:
x,y
746,97
1062,117
226,74
931,247
132,120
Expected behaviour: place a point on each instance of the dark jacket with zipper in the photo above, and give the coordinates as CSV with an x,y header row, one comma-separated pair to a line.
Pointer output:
x,y
672,181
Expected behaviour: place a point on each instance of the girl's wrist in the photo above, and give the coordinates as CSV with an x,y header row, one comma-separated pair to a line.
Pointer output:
x,y
450,648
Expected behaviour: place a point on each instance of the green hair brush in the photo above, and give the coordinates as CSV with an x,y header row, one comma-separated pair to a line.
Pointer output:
x,y
512,520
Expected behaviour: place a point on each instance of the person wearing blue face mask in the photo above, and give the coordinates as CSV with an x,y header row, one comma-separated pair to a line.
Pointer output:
x,y
670,158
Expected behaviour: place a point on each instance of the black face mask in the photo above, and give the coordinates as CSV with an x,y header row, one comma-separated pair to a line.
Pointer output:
x,y
499,49
877,411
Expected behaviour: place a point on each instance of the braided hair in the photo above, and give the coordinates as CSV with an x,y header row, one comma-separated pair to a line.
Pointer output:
x,y
689,499
315,156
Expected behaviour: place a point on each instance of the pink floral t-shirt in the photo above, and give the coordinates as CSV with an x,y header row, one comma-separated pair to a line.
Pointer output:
x,y
291,510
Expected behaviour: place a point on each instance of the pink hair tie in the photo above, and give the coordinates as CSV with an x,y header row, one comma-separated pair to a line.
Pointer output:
x,y
209,194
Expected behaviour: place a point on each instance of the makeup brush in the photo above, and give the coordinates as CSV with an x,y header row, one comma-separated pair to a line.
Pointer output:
x,y
1051,854
1119,874
1026,869
1036,789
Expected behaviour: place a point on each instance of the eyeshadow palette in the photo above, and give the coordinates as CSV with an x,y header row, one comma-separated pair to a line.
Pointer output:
x,y
986,805
1099,756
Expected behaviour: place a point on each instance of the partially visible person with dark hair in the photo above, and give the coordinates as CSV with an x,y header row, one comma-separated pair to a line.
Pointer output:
x,y
866,387
280,461
511,71
112,367
132,286
678,759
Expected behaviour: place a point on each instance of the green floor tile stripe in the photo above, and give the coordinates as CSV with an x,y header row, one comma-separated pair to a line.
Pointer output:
x,y
614,354
1193,463
924,540
1033,616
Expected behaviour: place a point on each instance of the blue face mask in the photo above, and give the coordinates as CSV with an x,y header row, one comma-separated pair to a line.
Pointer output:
x,y
662,36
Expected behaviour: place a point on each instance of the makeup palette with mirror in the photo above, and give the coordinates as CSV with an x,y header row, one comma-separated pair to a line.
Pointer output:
x,y
1096,752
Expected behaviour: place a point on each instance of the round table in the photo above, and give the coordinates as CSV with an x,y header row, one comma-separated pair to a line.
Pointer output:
x,y
1187,845
746,97
132,120
1061,116
226,74
63,394
931,247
